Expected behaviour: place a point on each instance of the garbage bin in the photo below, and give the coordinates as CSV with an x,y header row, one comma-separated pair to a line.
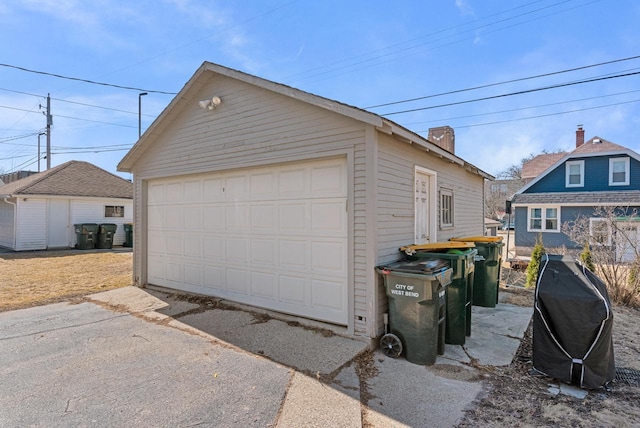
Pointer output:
x,y
128,235
86,235
417,306
461,258
486,282
106,231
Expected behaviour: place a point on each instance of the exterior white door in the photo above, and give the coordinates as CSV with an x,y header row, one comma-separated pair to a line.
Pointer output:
x,y
424,227
58,223
273,237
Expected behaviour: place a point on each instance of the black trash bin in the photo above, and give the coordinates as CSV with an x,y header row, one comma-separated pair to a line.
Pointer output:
x,y
486,281
86,235
128,235
106,231
461,258
417,308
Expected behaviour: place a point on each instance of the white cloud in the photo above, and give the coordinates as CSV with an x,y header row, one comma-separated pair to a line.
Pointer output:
x,y
464,7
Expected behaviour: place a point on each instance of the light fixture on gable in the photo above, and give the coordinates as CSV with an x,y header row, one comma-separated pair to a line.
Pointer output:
x,y
210,104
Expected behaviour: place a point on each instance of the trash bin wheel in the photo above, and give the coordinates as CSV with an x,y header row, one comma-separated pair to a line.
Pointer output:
x,y
391,345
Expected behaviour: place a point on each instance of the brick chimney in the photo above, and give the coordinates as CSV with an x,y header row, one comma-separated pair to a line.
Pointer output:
x,y
444,137
579,136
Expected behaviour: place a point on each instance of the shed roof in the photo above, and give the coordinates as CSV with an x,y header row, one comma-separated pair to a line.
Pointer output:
x,y
199,79
73,178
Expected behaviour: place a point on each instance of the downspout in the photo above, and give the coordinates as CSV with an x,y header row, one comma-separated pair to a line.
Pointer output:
x,y
15,219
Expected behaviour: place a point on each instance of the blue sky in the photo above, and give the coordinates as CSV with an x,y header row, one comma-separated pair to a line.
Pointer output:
x,y
363,53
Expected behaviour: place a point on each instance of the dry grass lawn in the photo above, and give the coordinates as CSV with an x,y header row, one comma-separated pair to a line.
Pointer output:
x,y
39,278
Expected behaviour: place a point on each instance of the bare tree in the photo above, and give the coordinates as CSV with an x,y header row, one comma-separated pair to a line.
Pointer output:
x,y
612,235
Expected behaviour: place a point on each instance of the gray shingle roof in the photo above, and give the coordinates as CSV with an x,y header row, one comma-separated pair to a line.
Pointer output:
x,y
73,178
621,198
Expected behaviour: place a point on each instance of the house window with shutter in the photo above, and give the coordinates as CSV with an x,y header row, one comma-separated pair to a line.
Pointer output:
x,y
113,211
619,171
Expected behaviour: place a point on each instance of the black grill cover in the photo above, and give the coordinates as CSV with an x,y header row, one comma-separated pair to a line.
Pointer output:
x,y
572,324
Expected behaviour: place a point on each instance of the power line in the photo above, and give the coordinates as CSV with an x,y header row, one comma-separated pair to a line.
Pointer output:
x,y
545,115
93,82
510,94
473,88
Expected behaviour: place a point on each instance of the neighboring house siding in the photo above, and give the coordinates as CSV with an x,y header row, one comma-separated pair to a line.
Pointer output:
x,y
92,211
596,177
7,219
259,127
32,224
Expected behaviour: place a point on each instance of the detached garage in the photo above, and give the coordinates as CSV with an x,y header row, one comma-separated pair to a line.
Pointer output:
x,y
38,212
255,192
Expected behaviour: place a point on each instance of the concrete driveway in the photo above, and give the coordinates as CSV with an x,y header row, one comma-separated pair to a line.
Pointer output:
x,y
133,357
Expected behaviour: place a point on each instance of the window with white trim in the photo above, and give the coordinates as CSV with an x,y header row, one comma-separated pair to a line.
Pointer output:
x,y
544,219
619,171
113,211
574,171
600,231
446,208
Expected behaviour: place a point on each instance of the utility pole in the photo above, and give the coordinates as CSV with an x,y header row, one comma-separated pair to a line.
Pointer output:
x,y
49,123
39,134
140,95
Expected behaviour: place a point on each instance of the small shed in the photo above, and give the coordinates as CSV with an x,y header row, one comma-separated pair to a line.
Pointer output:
x,y
38,212
260,193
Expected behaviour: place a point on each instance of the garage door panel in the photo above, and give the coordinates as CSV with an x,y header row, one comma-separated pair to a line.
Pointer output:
x,y
193,191
263,284
327,294
274,237
173,217
263,218
327,218
293,290
328,258
237,250
193,246
237,218
213,190
193,217
292,218
193,274
214,248
174,244
293,183
214,217
263,252
237,281
214,277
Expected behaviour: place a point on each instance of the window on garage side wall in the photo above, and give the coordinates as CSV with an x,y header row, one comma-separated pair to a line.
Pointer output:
x,y
114,211
544,219
446,208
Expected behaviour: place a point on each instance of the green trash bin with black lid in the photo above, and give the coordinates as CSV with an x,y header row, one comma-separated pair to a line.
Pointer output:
x,y
416,292
486,283
128,235
461,258
86,235
106,232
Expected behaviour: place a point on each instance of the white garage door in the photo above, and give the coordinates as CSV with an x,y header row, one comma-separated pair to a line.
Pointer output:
x,y
274,237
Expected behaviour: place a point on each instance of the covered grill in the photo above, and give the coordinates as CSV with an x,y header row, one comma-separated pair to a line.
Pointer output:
x,y
572,324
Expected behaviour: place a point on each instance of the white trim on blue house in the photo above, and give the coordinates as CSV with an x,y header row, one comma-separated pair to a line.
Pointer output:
x,y
569,173
627,171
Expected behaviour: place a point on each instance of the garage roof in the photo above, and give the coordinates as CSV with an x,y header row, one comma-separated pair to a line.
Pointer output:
x,y
73,178
198,79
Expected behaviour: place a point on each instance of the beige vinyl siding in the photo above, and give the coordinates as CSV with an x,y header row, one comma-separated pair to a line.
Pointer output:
x,y
254,127
395,202
7,220
31,232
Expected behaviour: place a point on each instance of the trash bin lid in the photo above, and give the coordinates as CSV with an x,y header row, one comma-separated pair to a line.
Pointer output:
x,y
435,246
489,239
430,266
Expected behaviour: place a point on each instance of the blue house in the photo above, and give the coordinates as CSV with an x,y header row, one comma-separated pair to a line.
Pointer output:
x,y
597,174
